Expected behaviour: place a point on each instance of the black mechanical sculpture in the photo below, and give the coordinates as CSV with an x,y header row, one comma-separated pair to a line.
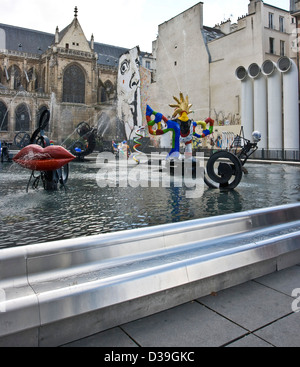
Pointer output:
x,y
225,168
87,142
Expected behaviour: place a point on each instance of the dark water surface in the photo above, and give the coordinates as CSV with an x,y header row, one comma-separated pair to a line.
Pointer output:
x,y
86,209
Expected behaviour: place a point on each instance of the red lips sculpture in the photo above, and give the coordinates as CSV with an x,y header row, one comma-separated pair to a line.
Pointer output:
x,y
36,158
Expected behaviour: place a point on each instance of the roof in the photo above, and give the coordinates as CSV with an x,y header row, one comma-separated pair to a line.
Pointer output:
x,y
212,33
37,42
107,54
26,40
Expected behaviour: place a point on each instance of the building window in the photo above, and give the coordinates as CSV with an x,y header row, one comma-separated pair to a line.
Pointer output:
x,y
106,91
281,24
44,81
74,85
272,42
22,117
271,20
282,48
148,65
32,79
3,117
15,75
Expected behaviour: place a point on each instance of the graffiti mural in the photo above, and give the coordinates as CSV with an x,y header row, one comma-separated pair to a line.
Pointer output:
x,y
224,120
129,92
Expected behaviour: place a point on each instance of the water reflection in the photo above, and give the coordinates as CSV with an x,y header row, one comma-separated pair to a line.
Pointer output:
x,y
86,209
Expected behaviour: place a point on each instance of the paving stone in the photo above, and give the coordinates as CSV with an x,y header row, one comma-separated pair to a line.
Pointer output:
x,y
262,307
283,333
189,325
112,338
250,305
249,341
284,281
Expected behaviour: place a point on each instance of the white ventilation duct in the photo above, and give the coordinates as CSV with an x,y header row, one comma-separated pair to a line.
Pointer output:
x,y
260,103
246,101
290,102
275,125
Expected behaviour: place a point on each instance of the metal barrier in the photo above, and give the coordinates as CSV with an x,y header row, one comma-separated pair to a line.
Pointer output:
x,y
57,292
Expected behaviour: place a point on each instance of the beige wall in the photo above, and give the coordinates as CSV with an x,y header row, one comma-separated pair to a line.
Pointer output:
x,y
180,41
207,74
212,87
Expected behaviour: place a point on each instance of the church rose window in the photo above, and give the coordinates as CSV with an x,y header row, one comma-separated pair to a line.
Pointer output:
x,y
74,85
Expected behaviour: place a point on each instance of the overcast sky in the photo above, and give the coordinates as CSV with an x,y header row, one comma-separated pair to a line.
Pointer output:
x,y
126,23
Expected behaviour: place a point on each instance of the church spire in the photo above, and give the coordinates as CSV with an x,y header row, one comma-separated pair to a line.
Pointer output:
x,y
57,35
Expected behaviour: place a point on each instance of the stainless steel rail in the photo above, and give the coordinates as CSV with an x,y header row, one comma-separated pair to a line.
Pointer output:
x,y
57,292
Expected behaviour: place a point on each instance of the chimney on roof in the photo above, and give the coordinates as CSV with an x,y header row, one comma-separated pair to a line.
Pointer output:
x,y
292,6
252,6
201,15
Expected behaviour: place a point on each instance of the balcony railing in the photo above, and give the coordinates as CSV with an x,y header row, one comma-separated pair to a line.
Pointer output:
x,y
15,93
20,54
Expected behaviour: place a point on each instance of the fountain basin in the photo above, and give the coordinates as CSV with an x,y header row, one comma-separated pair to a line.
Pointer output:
x,y
86,209
65,290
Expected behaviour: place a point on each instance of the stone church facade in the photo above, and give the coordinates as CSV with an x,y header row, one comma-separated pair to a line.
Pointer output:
x,y
73,77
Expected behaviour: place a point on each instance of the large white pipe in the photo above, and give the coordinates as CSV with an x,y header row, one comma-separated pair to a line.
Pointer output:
x,y
275,123
246,101
260,103
290,102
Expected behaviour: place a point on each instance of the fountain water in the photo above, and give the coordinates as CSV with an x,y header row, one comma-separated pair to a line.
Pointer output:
x,y
87,209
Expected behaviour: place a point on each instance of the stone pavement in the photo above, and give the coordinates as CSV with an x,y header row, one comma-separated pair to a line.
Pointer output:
x,y
259,313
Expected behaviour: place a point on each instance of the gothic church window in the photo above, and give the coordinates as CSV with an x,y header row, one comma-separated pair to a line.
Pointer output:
x,y
43,86
22,117
3,117
74,85
15,75
106,91
32,80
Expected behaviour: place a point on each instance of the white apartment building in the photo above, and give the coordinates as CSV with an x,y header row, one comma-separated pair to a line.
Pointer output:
x,y
201,61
